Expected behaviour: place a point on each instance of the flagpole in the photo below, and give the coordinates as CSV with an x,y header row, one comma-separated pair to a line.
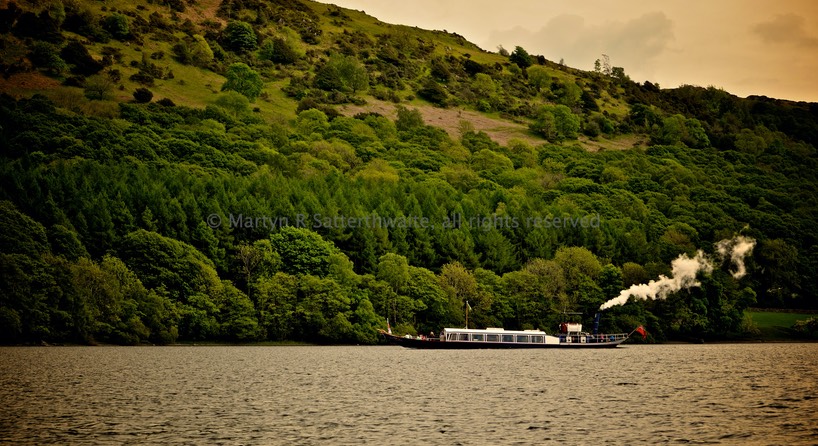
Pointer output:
x,y
467,314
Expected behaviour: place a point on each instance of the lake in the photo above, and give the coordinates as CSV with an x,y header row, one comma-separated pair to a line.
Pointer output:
x,y
727,393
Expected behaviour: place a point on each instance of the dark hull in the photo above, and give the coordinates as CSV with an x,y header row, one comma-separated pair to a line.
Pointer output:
x,y
434,344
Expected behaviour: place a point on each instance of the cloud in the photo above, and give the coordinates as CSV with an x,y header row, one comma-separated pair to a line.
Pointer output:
x,y
785,29
632,44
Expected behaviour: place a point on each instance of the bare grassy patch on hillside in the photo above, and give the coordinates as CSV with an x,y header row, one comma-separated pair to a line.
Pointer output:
x,y
26,84
622,142
203,10
448,119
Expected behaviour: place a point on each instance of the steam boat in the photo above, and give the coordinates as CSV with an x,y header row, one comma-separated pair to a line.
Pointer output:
x,y
570,336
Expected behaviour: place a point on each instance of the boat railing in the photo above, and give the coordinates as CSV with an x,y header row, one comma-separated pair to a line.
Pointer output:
x,y
603,338
577,338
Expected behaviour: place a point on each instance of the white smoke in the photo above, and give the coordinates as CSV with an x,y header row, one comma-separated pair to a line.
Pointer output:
x,y
684,271
736,249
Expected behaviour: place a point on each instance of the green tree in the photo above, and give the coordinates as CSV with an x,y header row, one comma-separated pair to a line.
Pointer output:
x,y
77,55
394,270
320,314
46,55
243,79
343,73
283,48
460,287
643,116
545,124
99,87
311,122
556,122
366,322
240,37
535,292
433,92
117,25
277,297
161,316
234,102
66,243
779,273
302,251
610,281
490,164
673,130
256,259
484,85
538,77
200,52
162,261
423,287
21,234
195,51
581,270
197,318
748,142
633,273
237,319
498,252
619,74
695,135
567,93
520,57
408,119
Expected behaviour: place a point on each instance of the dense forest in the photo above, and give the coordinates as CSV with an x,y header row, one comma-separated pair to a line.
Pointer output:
x,y
180,171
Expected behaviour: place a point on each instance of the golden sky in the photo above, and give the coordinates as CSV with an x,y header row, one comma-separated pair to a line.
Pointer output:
x,y
746,47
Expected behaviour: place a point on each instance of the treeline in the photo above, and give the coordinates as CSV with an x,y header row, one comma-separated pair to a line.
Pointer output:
x,y
107,236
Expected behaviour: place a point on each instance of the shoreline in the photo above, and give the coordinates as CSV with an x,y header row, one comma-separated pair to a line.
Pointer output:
x,y
306,344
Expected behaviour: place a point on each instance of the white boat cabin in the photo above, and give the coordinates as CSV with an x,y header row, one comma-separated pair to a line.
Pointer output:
x,y
497,335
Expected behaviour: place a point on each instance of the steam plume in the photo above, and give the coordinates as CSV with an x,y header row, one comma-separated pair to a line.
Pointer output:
x,y
684,270
736,249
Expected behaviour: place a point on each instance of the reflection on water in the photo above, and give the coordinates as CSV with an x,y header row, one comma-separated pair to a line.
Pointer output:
x,y
738,393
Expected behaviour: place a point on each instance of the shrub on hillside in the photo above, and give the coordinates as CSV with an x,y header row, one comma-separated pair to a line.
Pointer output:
x,y
243,79
45,55
98,87
142,95
77,55
117,25
433,92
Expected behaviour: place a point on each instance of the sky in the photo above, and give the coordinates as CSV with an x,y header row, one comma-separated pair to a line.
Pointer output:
x,y
746,47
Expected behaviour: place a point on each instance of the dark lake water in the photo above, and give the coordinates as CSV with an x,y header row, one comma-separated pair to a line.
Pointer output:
x,y
733,394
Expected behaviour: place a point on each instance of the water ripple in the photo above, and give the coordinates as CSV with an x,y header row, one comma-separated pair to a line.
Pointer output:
x,y
703,394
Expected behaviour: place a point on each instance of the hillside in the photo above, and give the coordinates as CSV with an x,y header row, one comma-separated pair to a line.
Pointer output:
x,y
288,170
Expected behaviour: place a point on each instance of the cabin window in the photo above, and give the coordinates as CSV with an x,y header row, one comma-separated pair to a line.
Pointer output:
x,y
522,338
463,337
492,338
537,339
508,338
477,337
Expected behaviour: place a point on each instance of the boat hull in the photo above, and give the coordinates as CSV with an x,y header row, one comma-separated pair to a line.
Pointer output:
x,y
436,344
